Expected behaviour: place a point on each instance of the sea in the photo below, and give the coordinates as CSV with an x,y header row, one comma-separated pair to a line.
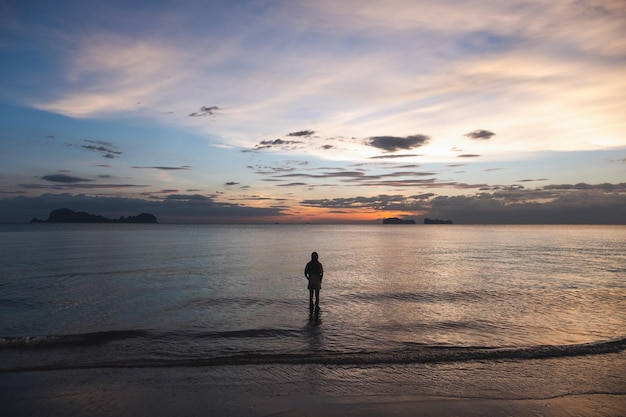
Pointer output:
x,y
110,296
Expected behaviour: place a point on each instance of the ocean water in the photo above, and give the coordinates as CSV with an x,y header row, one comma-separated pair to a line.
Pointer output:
x,y
91,296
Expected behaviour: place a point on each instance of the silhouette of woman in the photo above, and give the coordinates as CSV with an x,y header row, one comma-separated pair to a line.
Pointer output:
x,y
314,272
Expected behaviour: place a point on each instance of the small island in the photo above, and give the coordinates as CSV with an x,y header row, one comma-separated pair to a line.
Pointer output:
x,y
65,215
395,220
437,221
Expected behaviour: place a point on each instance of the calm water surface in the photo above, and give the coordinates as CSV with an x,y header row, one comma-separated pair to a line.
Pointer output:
x,y
82,296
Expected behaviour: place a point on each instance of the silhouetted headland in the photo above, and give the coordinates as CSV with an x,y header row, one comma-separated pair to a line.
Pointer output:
x,y
437,221
395,220
65,215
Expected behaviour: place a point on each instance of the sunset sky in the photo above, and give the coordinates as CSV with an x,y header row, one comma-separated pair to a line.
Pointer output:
x,y
314,111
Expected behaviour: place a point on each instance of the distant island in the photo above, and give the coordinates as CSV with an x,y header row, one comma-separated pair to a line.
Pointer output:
x,y
437,221
395,220
65,215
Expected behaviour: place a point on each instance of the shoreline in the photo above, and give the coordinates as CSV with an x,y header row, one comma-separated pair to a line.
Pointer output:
x,y
547,388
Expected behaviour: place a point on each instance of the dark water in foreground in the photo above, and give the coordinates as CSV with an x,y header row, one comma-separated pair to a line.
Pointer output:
x,y
157,296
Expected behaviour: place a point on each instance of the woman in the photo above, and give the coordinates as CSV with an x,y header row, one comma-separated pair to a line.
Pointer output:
x,y
314,272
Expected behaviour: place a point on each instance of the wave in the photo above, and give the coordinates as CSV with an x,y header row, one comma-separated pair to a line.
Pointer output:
x,y
97,338
416,354
68,340
411,354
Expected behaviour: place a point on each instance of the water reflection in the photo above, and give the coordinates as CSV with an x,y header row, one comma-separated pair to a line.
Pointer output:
x,y
314,331
314,334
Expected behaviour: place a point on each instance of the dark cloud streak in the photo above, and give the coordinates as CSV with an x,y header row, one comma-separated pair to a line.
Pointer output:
x,y
105,148
165,168
395,156
62,178
395,143
480,134
302,133
205,111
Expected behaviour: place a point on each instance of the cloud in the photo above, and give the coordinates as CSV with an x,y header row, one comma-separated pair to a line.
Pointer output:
x,y
62,178
188,197
68,182
302,133
293,184
394,143
205,111
231,183
468,155
510,62
281,143
607,187
554,204
379,202
532,179
480,134
165,168
334,174
394,156
107,149
69,186
401,179
527,207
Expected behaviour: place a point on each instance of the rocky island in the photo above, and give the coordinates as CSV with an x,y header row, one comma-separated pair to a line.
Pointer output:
x,y
395,220
65,215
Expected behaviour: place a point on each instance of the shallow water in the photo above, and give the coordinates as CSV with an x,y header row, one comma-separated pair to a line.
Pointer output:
x,y
93,296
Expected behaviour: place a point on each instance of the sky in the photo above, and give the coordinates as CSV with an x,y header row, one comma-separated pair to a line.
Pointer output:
x,y
295,111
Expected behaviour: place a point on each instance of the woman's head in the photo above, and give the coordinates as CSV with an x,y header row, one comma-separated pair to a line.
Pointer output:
x,y
314,256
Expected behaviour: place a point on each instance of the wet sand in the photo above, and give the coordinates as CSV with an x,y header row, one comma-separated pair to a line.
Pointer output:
x,y
180,401
557,388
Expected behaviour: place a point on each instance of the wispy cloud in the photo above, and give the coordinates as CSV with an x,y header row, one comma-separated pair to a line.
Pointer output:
x,y
504,61
165,168
395,156
276,143
80,186
106,149
205,111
